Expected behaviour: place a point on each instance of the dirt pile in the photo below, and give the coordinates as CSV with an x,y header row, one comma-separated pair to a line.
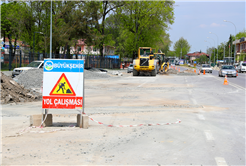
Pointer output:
x,y
189,71
12,92
171,71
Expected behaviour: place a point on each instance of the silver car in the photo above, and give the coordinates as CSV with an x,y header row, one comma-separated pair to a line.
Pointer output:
x,y
228,70
130,68
207,68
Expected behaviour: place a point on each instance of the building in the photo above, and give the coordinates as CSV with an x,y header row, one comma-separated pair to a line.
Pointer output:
x,y
82,48
240,49
20,46
195,55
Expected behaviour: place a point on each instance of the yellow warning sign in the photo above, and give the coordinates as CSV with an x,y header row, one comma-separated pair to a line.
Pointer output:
x,y
63,87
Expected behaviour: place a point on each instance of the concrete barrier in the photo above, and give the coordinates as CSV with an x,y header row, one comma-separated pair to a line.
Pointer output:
x,y
36,120
85,121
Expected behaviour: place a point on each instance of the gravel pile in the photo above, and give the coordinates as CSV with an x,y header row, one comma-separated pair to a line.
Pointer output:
x,y
32,78
7,73
95,74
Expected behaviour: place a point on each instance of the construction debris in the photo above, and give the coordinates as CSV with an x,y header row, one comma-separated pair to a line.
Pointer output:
x,y
12,92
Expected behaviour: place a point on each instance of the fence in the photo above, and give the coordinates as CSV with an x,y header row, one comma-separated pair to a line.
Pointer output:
x,y
90,61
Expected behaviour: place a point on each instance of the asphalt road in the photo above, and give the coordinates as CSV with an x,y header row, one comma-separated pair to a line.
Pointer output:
x,y
239,81
211,132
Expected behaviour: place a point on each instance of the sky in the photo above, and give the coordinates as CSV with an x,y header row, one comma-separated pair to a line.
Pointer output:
x,y
195,19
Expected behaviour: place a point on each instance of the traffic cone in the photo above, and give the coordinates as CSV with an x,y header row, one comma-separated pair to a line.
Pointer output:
x,y
203,72
237,73
225,80
194,70
176,68
179,69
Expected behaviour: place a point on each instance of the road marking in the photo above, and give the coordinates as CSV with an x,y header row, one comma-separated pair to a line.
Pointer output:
x,y
234,91
151,80
209,135
232,84
220,161
200,116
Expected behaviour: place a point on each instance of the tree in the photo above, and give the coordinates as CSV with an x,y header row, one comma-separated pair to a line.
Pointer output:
x,y
181,44
241,34
144,23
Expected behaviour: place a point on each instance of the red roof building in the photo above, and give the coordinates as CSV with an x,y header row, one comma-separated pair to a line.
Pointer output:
x,y
195,55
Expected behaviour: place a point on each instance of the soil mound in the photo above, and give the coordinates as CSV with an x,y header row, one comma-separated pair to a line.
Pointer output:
x,y
12,92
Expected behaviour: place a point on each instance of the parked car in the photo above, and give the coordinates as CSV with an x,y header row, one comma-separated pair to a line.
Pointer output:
x,y
228,70
242,67
188,64
32,65
130,68
206,67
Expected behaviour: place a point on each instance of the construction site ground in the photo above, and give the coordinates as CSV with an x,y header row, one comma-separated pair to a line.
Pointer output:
x,y
212,124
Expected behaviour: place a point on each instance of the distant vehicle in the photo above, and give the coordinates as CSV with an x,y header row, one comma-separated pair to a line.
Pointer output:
x,y
130,68
228,70
176,63
32,65
241,67
188,64
207,68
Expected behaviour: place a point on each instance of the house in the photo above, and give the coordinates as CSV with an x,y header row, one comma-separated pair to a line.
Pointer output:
x,y
20,45
195,55
82,48
240,49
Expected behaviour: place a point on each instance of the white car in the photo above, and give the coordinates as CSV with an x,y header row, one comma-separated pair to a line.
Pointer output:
x,y
207,68
130,68
32,65
242,67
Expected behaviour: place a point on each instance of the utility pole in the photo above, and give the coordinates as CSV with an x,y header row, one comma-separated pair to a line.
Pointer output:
x,y
224,53
51,29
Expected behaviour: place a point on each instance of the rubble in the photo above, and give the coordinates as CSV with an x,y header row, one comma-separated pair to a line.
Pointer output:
x,y
171,71
12,92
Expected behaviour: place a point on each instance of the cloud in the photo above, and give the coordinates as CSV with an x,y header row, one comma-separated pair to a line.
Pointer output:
x,y
203,25
216,25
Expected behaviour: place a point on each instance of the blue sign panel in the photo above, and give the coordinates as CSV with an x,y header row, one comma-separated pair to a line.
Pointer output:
x,y
194,62
7,46
63,65
113,56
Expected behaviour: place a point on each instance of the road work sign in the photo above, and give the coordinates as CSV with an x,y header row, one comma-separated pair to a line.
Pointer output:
x,y
63,84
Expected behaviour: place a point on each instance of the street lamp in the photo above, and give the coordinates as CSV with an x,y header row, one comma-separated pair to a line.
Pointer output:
x,y
217,44
235,39
51,37
214,47
210,54
34,42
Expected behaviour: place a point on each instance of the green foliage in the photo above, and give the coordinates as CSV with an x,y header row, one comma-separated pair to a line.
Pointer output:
x,y
181,44
241,34
126,25
143,24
